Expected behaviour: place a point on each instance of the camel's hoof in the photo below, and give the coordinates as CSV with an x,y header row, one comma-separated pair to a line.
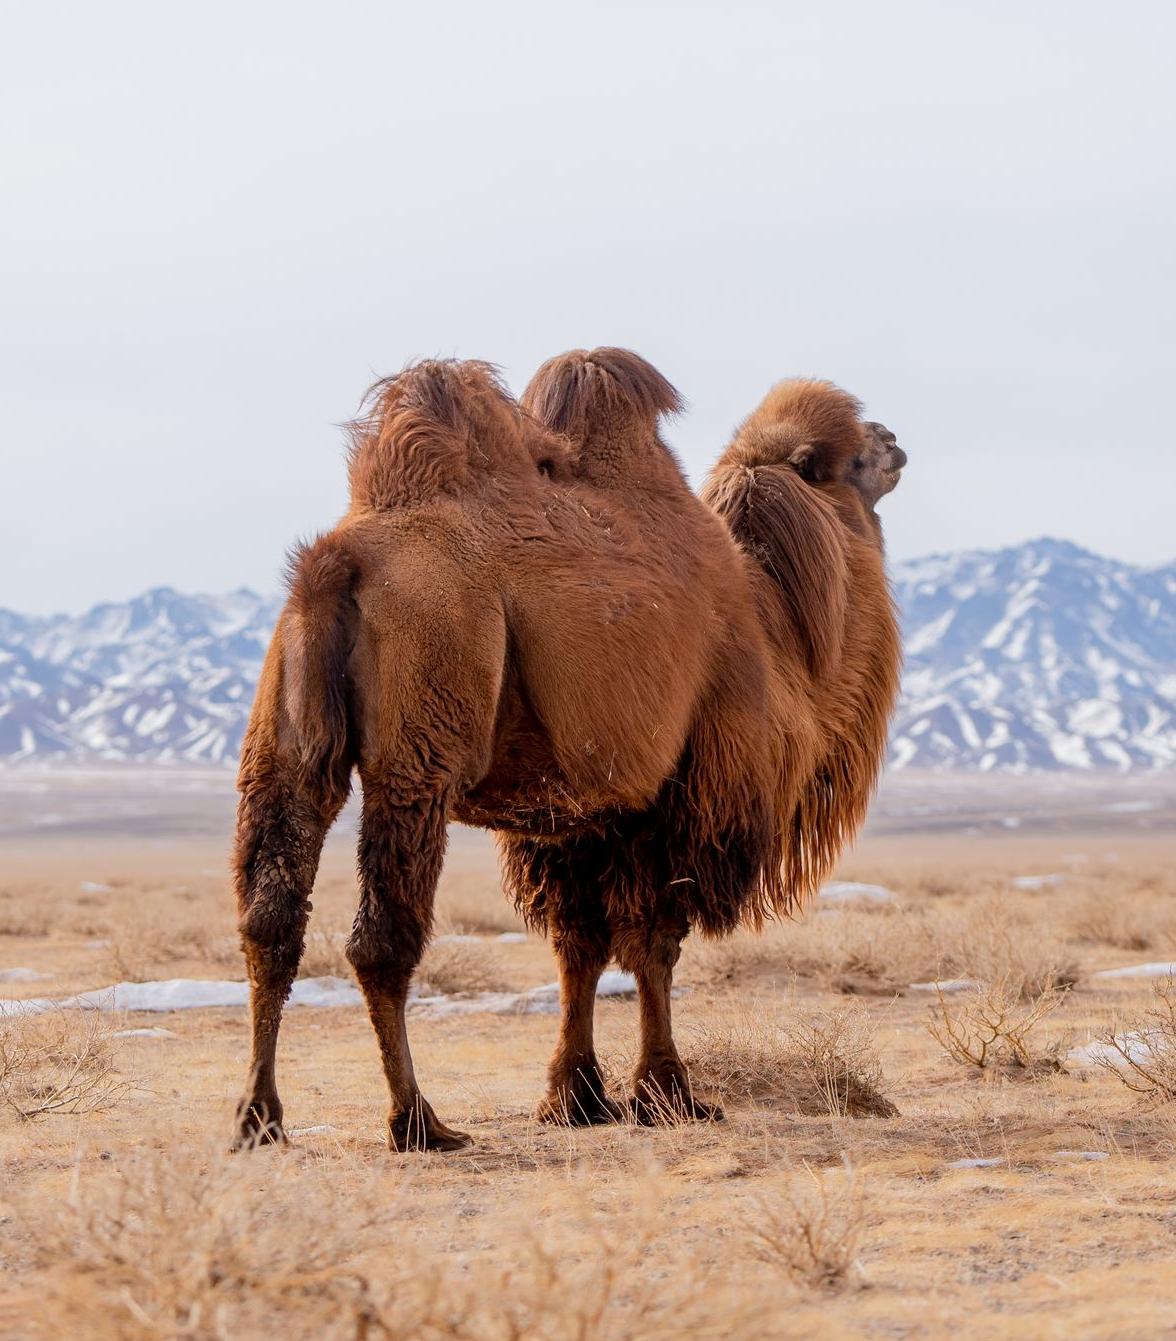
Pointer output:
x,y
572,1107
668,1100
417,1128
258,1125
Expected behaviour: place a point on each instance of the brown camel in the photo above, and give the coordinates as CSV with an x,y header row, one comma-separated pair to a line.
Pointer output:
x,y
671,710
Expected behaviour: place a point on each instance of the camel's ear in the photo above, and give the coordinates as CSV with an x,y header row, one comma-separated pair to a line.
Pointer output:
x,y
803,460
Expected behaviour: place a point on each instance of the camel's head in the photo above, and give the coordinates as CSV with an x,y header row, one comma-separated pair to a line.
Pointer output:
x,y
875,470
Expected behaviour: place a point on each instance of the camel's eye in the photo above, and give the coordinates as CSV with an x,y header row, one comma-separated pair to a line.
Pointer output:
x,y
858,463
547,467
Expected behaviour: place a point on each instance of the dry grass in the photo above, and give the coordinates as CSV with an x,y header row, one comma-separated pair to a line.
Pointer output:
x,y
476,907
201,1247
878,949
811,1233
325,953
824,1064
59,1063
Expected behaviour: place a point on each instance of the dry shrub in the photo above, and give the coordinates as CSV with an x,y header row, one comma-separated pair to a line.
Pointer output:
x,y
145,948
811,1234
59,1062
999,944
736,957
480,910
1125,923
135,952
454,968
23,917
1144,1056
991,1028
826,1064
179,1248
325,954
883,948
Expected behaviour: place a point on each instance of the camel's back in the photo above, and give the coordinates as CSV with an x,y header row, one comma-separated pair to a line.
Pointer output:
x,y
616,616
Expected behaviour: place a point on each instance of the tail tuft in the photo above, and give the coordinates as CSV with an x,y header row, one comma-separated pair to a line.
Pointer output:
x,y
318,636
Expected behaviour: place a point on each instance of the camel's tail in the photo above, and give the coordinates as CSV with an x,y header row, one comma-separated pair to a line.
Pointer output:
x,y
318,631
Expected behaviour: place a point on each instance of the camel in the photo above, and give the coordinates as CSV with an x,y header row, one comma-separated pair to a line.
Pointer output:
x,y
670,708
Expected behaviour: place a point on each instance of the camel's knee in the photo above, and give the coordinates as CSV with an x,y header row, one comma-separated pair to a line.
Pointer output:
x,y
650,949
272,934
274,907
583,944
279,838
387,944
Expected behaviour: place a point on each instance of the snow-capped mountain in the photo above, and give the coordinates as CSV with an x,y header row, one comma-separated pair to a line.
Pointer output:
x,y
162,677
1039,656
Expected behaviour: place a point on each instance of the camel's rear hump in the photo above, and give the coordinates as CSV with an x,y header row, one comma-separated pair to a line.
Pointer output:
x,y
442,428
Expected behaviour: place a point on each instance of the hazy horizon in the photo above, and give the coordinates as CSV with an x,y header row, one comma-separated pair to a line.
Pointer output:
x,y
219,228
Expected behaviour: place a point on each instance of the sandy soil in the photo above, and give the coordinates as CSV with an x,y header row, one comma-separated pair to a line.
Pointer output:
x,y
789,1219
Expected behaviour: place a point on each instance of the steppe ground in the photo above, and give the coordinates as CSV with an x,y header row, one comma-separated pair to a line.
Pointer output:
x,y
123,1216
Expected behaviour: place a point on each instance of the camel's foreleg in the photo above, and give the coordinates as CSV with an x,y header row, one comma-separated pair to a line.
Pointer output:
x,y
560,885
402,843
662,1091
576,1092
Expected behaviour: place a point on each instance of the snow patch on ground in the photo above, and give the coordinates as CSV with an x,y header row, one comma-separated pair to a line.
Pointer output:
x,y
94,887
1157,969
468,938
975,1163
205,994
1140,1045
850,891
946,985
186,994
23,975
1035,881
153,1031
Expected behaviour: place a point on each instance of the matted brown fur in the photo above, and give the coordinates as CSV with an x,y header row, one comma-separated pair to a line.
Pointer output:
x,y
671,710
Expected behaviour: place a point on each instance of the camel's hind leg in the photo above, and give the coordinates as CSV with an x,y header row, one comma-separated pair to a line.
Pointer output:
x,y
280,832
402,844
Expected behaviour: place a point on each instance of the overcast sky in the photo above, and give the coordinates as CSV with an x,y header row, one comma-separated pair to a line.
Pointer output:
x,y
220,222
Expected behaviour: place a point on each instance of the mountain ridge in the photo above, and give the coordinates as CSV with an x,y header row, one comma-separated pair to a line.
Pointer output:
x,y
1036,656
